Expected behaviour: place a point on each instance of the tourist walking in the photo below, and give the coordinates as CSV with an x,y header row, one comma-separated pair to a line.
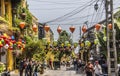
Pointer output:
x,y
35,69
21,67
97,69
89,69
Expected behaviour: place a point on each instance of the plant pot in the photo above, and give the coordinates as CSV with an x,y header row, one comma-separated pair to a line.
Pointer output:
x,y
23,15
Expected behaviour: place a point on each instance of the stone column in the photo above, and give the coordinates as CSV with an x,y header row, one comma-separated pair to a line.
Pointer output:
x,y
2,8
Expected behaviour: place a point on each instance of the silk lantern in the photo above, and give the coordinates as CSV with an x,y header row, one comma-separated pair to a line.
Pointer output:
x,y
84,29
59,29
97,27
87,43
34,28
12,37
110,26
47,28
82,44
22,25
72,29
105,38
1,45
96,41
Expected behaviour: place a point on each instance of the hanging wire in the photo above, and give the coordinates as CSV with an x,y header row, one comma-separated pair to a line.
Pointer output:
x,y
74,12
98,15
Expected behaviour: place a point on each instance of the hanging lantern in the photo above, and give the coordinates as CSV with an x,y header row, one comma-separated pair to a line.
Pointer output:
x,y
59,29
2,41
47,28
62,44
1,45
6,41
97,26
110,26
34,28
12,37
1,38
96,41
72,29
84,28
87,43
9,38
4,37
105,38
10,48
6,46
82,44
68,44
13,41
22,25
19,46
96,6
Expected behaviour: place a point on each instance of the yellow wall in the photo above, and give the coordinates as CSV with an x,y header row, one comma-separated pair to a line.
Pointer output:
x,y
2,8
8,11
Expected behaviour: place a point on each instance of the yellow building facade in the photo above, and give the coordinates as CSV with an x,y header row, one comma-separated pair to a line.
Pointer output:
x,y
6,10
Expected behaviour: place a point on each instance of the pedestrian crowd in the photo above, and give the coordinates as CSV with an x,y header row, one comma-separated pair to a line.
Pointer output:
x,y
91,68
29,67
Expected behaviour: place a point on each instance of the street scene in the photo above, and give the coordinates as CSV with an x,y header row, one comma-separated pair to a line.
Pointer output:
x,y
59,38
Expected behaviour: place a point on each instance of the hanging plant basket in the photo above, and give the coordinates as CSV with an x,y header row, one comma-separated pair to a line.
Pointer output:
x,y
23,15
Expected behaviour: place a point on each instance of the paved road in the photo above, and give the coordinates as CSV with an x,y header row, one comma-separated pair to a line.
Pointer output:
x,y
60,72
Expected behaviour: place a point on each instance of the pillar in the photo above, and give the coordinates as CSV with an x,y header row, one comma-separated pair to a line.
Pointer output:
x,y
2,8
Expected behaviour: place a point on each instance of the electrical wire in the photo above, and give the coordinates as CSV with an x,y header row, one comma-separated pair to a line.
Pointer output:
x,y
63,3
54,8
74,12
67,23
81,17
97,15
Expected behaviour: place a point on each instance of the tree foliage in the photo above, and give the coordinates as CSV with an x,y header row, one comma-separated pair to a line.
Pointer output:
x,y
63,37
34,48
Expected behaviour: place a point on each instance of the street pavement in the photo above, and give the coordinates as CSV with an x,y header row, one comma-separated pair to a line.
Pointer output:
x,y
59,72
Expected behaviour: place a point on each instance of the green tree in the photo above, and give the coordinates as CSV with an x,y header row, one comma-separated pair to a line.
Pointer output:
x,y
34,49
64,43
63,37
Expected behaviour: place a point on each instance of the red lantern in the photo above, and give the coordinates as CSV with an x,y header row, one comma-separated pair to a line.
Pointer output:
x,y
110,26
59,29
4,37
22,25
10,48
1,38
20,40
6,41
10,38
34,28
13,41
1,45
84,28
19,46
72,29
47,28
97,26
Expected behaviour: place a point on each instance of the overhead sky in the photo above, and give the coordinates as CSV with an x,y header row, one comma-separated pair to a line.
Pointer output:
x,y
69,12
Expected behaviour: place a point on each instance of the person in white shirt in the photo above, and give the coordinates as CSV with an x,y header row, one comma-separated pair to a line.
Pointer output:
x,y
97,69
